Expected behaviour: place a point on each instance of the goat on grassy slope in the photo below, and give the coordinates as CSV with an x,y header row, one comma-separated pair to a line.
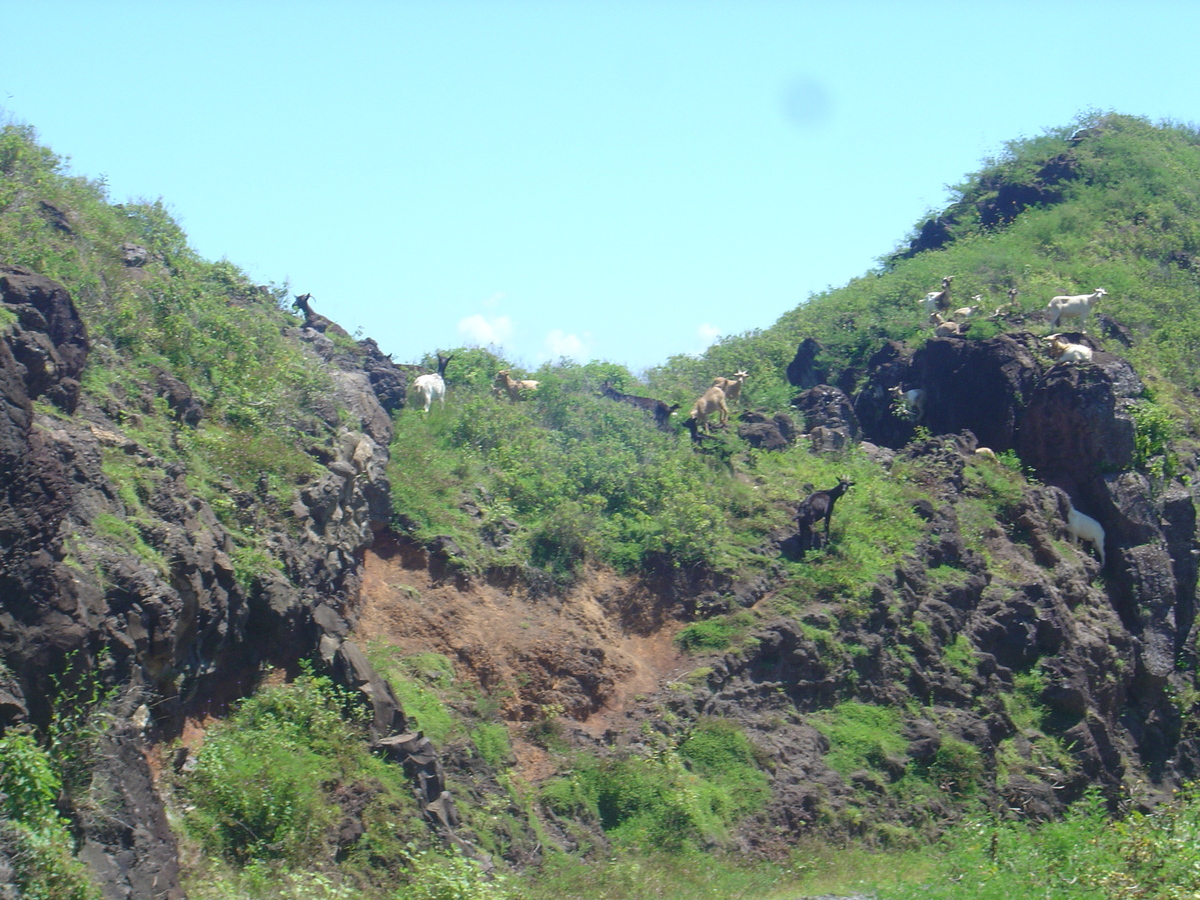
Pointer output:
x,y
815,507
731,386
506,384
432,387
661,412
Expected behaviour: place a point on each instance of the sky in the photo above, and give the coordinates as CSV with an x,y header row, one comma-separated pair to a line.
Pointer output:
x,y
613,180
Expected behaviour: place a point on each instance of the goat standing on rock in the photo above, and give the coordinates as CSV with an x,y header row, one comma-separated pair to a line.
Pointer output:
x,y
1072,306
814,508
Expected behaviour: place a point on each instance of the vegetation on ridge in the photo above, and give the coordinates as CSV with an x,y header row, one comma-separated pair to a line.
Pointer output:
x,y
569,478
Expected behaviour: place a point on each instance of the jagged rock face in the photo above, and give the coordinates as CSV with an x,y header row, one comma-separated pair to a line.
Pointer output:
x,y
829,417
39,608
803,371
765,434
1075,423
978,386
387,379
50,342
1104,662
172,617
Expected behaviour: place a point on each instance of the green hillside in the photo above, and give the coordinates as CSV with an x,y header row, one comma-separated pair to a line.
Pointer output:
x,y
567,483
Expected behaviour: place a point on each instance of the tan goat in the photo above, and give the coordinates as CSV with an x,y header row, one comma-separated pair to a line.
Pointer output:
x,y
505,383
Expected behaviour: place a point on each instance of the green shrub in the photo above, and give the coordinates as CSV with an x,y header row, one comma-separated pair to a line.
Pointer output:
x,y
861,736
35,837
258,789
436,877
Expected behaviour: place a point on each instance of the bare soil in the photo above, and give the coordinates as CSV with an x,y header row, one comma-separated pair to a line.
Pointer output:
x,y
586,654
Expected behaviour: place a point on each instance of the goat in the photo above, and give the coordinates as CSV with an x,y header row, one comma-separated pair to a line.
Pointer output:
x,y
432,387
315,320
944,328
1073,306
965,312
661,412
938,301
815,507
1005,308
731,386
1084,528
986,453
913,400
713,401
506,384
1066,352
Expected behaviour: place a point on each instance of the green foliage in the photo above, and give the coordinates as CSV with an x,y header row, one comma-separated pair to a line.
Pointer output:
x,y
29,785
491,740
960,657
437,877
421,683
257,789
861,736
1086,855
35,836
1154,429
561,479
713,635
673,800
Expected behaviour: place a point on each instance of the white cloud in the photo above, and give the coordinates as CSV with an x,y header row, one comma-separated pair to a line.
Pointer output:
x,y
708,333
486,332
559,344
495,300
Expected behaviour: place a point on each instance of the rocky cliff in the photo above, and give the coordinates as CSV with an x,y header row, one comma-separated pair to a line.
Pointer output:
x,y
977,624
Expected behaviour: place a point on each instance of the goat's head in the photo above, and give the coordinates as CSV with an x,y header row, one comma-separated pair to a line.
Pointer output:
x,y
1100,292
301,302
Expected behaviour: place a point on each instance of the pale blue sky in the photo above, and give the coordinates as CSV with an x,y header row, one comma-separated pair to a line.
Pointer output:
x,y
612,180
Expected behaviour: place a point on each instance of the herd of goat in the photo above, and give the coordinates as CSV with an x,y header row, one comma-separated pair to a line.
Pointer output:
x,y
818,506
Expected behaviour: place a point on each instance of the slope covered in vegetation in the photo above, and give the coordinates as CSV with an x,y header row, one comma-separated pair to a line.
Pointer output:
x,y
190,510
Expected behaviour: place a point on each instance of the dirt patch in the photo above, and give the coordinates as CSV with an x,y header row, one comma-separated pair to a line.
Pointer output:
x,y
571,655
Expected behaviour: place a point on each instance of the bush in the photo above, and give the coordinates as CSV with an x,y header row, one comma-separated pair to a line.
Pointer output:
x,y
258,787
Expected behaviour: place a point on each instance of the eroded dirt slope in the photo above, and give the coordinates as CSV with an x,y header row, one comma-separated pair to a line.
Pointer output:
x,y
586,654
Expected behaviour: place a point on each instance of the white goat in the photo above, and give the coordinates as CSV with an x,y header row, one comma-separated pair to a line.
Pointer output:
x,y
986,453
432,387
913,400
713,401
1084,528
1067,352
1073,306
731,386
938,300
965,312
506,384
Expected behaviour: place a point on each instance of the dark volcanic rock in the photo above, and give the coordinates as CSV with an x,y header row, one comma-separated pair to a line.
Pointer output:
x,y
765,434
126,839
803,371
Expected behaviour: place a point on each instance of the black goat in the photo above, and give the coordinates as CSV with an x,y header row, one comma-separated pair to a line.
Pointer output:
x,y
660,410
815,507
315,320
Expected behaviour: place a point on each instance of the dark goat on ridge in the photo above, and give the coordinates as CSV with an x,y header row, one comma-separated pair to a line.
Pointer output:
x,y
815,507
315,320
660,410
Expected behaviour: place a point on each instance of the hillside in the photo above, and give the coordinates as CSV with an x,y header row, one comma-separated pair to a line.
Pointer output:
x,y
268,629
